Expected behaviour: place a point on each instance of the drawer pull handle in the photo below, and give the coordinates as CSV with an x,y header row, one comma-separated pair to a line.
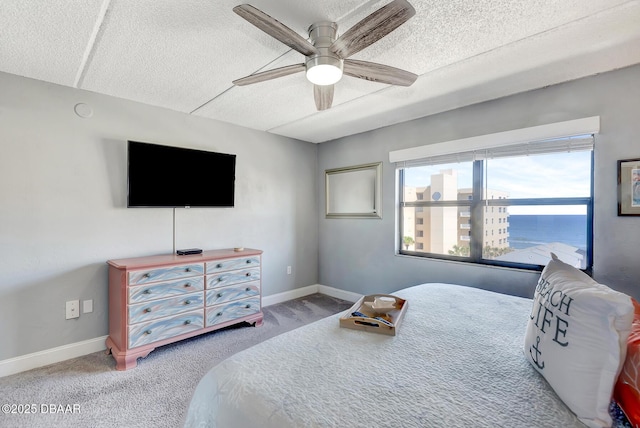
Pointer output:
x,y
247,306
248,273
219,314
147,310
219,295
187,285
187,302
147,332
219,279
146,275
247,289
187,322
147,291
219,265
187,270
249,261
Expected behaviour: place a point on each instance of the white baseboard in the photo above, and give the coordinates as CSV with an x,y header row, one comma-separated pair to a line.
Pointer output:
x,y
51,356
310,289
78,349
339,294
289,295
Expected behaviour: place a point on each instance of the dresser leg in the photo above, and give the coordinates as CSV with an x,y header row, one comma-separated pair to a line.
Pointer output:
x,y
126,360
259,321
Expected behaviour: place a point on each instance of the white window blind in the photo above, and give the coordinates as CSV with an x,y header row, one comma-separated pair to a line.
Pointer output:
x,y
575,135
563,145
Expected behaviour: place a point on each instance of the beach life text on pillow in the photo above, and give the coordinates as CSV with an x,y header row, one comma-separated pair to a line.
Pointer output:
x,y
550,314
576,338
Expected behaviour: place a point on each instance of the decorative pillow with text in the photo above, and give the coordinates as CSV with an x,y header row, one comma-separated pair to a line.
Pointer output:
x,y
627,389
576,338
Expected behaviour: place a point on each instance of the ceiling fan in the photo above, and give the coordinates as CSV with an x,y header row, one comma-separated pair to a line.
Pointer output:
x,y
327,55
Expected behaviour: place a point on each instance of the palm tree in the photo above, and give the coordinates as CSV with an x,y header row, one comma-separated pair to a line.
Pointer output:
x,y
459,250
407,240
493,252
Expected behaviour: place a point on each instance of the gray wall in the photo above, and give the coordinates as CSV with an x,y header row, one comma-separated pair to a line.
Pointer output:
x,y
63,206
358,255
63,201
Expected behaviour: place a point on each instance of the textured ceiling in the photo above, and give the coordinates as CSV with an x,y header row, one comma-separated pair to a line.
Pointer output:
x,y
183,55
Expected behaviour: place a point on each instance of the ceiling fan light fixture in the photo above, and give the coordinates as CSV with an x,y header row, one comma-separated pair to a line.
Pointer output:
x,y
324,70
324,74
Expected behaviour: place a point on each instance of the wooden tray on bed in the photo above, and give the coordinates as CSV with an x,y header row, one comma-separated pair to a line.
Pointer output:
x,y
369,321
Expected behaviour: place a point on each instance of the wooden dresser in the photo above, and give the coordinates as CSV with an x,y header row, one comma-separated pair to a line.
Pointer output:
x,y
161,299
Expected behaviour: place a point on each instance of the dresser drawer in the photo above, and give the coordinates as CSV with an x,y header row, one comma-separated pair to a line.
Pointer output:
x,y
159,290
153,309
232,292
165,328
233,277
232,264
164,274
232,310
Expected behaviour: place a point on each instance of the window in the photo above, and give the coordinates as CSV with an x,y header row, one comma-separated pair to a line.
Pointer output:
x,y
542,192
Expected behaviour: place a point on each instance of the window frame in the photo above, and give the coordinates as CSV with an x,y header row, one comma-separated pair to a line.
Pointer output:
x,y
476,204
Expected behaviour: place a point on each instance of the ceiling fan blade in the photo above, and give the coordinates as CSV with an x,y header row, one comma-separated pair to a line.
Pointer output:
x,y
373,28
323,95
378,72
270,74
275,29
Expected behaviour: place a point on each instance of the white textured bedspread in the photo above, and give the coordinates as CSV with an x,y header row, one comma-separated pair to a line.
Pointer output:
x,y
456,361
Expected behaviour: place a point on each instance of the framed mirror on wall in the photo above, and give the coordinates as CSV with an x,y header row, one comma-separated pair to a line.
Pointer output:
x,y
354,191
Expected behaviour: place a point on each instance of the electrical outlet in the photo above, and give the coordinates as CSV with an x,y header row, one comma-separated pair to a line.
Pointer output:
x,y
87,306
73,309
288,270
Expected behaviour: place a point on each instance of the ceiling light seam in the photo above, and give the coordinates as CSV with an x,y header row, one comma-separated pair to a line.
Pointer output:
x,y
91,45
364,6
214,98
233,86
334,107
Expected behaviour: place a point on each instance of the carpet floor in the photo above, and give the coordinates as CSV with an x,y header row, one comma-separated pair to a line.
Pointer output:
x,y
89,392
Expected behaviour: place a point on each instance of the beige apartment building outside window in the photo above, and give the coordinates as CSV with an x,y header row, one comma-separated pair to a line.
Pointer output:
x,y
443,230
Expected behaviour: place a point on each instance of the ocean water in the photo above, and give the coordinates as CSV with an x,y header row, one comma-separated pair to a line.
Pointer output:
x,y
529,230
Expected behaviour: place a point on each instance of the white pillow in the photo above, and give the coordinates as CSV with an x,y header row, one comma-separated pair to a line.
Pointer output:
x,y
577,339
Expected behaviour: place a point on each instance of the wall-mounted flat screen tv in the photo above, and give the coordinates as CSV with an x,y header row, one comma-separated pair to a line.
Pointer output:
x,y
165,176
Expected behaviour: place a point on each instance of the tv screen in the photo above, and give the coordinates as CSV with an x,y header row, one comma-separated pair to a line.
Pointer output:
x,y
164,176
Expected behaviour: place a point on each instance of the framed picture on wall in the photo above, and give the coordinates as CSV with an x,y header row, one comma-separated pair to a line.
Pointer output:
x,y
629,187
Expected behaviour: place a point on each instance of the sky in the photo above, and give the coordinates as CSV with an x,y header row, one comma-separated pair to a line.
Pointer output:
x,y
539,176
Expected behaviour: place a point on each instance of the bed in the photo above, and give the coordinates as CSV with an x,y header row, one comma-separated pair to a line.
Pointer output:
x,y
457,361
